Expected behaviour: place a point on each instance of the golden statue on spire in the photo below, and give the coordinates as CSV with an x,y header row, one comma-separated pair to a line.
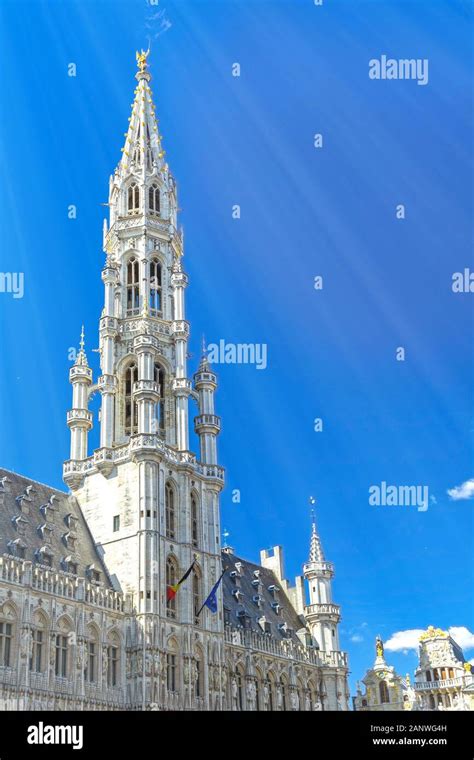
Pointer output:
x,y
142,59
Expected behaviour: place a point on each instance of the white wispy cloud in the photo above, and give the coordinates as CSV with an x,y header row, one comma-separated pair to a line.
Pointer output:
x,y
462,636
357,638
464,491
402,641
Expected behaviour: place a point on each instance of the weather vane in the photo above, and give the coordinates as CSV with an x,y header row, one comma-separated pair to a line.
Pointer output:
x,y
312,503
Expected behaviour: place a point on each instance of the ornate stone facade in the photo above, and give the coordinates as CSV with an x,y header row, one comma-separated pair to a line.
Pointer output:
x,y
443,679
112,636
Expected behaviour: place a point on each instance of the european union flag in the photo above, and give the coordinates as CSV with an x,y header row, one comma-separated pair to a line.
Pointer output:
x,y
211,601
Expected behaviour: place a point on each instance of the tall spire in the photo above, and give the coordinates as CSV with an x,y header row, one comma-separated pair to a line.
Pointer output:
x,y
142,146
315,549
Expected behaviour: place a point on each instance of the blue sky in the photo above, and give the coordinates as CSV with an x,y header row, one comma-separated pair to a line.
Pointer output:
x,y
304,212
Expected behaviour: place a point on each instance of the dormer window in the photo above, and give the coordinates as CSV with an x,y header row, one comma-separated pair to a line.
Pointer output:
x,y
48,511
154,199
276,608
264,625
44,556
258,600
46,532
17,548
283,628
70,540
70,565
20,524
237,594
133,199
235,578
274,591
71,521
243,618
93,574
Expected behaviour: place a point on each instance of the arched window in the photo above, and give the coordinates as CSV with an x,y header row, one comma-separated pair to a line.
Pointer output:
x,y
38,642
131,407
384,693
155,287
137,155
240,689
283,694
158,425
271,692
91,665
258,690
133,287
6,643
194,520
171,580
196,594
149,158
133,198
172,667
170,512
113,660
62,652
154,199
199,676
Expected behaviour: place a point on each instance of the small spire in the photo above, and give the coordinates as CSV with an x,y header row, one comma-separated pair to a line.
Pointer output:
x,y
315,550
81,359
203,364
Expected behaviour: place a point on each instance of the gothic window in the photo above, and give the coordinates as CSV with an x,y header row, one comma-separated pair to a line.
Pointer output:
x,y
170,512
159,422
171,580
194,520
199,676
133,287
61,656
384,693
428,675
155,287
258,690
196,594
131,407
6,636
171,679
112,665
149,159
432,702
137,155
154,199
283,694
36,658
133,199
91,667
172,666
240,689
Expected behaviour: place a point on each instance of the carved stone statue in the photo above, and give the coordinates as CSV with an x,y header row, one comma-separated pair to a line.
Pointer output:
x,y
234,692
266,694
307,702
251,695
294,700
279,698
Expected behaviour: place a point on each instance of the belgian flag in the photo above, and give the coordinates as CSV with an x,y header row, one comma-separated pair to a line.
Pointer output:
x,y
172,590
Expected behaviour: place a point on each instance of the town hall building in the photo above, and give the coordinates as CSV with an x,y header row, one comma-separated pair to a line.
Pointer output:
x,y
87,618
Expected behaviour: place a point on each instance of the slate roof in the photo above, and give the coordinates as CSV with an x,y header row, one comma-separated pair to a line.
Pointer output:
x,y
240,590
43,520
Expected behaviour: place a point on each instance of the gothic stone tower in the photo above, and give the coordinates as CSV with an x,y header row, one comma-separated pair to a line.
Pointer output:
x,y
151,504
